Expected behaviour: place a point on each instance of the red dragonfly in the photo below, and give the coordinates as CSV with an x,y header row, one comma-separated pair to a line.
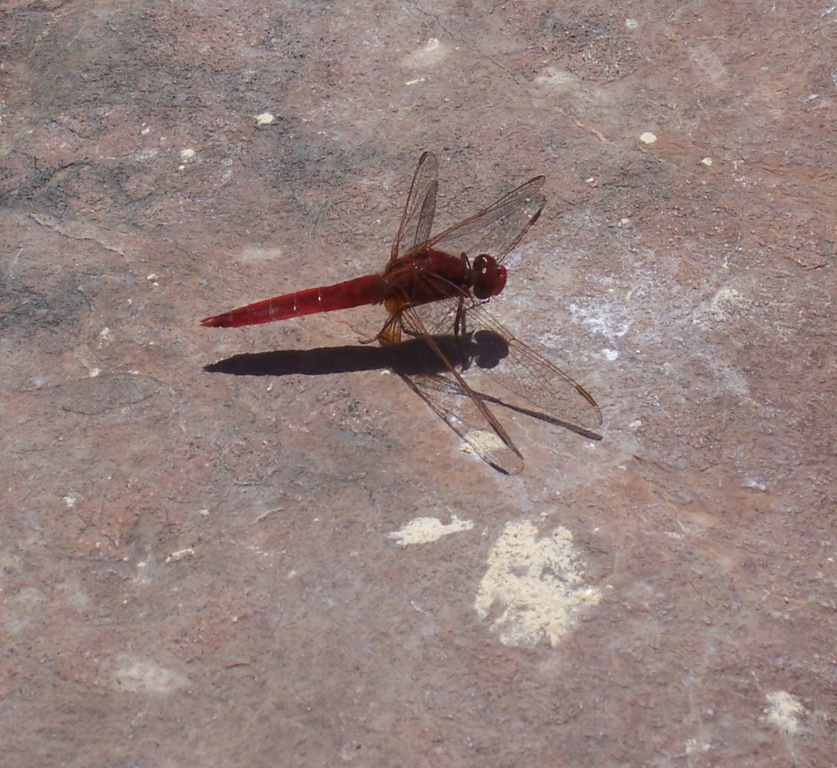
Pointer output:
x,y
431,288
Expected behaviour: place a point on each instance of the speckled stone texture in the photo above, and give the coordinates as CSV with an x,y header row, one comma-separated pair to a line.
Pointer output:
x,y
285,558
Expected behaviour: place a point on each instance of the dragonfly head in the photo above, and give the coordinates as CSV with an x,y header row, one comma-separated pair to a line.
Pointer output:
x,y
489,277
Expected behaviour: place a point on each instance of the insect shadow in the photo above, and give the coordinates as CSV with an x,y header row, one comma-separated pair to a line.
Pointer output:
x,y
411,357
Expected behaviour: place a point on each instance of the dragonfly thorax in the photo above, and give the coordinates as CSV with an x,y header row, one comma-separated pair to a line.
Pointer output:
x,y
424,277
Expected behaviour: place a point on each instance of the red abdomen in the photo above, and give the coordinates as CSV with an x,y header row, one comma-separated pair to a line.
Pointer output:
x,y
352,293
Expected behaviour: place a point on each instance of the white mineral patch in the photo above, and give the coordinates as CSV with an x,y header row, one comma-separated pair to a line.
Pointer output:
x,y
784,711
430,53
724,305
695,747
423,530
484,440
145,676
180,554
553,77
536,585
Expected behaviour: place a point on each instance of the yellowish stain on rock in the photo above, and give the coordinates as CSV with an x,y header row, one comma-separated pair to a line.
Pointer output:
x,y
424,530
537,585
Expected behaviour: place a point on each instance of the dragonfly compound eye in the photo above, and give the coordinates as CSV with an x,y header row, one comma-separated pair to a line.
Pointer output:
x,y
489,277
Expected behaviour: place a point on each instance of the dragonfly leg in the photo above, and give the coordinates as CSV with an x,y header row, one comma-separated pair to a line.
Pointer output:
x,y
458,332
391,332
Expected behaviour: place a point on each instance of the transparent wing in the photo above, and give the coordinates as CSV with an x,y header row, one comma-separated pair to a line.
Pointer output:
x,y
417,219
458,410
520,379
504,371
495,230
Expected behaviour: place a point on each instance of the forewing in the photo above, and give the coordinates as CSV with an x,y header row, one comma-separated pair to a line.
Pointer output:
x,y
526,382
417,219
495,230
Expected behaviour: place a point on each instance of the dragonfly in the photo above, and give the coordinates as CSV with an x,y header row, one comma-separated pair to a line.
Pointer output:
x,y
434,288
